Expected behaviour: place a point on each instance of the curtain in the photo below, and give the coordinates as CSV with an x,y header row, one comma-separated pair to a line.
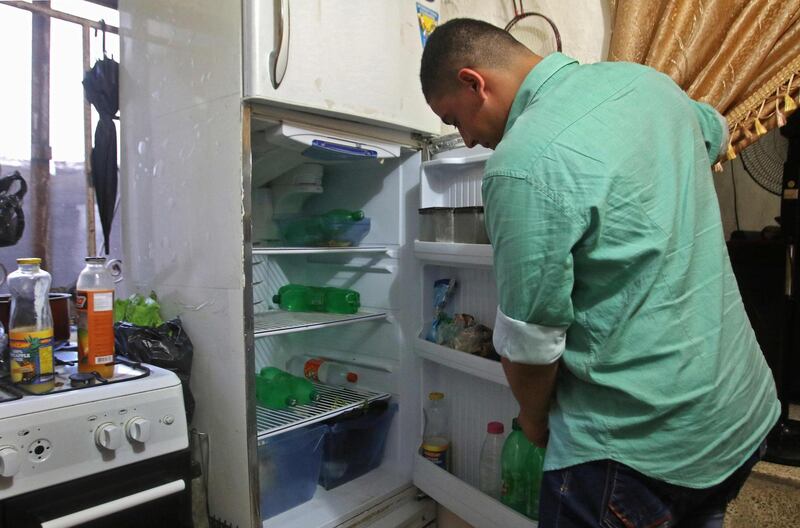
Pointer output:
x,y
740,56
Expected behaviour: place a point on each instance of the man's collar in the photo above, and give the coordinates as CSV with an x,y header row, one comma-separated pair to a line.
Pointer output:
x,y
533,83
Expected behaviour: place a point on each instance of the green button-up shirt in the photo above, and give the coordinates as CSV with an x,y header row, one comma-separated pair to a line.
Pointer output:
x,y
609,256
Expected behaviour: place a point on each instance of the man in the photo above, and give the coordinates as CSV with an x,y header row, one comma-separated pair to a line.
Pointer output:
x,y
620,324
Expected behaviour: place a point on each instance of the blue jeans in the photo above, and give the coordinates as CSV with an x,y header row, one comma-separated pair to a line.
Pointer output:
x,y
609,494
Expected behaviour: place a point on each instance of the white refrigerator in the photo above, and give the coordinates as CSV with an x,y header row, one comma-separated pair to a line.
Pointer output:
x,y
212,151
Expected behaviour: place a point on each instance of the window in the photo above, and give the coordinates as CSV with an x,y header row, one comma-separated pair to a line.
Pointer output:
x,y
55,206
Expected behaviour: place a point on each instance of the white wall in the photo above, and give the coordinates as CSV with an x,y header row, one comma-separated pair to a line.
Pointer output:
x,y
585,26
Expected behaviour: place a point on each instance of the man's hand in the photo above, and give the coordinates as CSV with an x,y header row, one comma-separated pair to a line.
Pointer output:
x,y
533,387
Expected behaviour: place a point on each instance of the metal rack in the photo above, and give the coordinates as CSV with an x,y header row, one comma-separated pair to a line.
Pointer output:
x,y
333,401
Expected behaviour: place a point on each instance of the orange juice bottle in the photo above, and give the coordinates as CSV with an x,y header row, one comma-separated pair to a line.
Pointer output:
x,y
94,296
31,327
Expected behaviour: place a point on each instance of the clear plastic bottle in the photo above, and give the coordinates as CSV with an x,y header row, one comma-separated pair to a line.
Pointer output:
x,y
31,326
489,478
322,370
436,437
95,304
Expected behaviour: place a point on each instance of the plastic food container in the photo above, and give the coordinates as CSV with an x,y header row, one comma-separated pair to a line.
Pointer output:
x,y
288,468
354,445
436,224
468,226
318,231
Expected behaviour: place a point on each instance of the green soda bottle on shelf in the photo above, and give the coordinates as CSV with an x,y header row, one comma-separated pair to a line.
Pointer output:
x,y
275,393
300,298
276,389
517,470
342,301
341,216
303,391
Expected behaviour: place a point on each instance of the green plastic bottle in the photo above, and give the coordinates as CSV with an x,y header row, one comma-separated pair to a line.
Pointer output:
x,y
342,301
275,393
276,389
341,216
300,298
517,470
318,230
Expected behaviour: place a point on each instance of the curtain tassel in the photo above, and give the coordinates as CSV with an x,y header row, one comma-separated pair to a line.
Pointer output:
x,y
731,152
760,130
789,105
780,117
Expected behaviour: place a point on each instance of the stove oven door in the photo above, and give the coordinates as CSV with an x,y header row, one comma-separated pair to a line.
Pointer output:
x,y
150,493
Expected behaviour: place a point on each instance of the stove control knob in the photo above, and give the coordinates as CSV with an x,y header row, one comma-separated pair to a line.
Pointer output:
x,y
9,461
138,429
108,436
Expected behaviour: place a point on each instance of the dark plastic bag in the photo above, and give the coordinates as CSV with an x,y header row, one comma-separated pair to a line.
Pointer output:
x,y
166,346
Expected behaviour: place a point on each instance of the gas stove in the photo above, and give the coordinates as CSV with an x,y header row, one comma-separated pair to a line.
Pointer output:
x,y
68,434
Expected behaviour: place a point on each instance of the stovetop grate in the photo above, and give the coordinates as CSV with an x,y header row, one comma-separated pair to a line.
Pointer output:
x,y
333,401
66,364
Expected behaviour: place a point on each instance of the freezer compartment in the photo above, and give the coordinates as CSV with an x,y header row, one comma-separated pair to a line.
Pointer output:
x,y
355,444
289,467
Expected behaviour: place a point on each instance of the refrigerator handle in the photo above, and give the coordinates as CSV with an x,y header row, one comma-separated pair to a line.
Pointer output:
x,y
279,57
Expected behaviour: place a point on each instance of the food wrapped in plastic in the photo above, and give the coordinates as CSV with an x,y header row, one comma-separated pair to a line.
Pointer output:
x,y
475,339
464,333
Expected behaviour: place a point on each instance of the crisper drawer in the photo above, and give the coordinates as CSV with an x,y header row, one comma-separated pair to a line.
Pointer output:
x,y
150,493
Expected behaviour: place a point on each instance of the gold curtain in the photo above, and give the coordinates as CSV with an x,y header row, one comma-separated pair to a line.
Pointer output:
x,y
741,56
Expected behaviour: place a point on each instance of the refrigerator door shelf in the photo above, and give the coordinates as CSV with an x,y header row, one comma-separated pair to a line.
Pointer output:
x,y
276,322
264,250
333,401
454,254
472,505
455,359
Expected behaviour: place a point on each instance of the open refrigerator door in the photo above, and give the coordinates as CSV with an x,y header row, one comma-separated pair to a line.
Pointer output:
x,y
470,377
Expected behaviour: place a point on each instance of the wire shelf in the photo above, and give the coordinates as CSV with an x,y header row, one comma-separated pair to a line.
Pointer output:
x,y
333,401
266,250
275,322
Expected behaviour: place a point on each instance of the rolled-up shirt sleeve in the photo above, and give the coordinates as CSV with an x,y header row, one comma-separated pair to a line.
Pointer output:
x,y
714,127
533,233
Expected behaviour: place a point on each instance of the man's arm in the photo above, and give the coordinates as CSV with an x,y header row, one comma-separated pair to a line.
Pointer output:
x,y
714,128
533,387
533,233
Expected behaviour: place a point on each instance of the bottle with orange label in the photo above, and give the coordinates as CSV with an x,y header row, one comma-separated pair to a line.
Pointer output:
x,y
94,300
31,327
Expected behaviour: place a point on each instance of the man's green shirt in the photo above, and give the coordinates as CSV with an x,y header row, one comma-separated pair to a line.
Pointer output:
x,y
610,257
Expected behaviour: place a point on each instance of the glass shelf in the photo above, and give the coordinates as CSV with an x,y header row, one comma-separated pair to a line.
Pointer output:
x,y
333,401
276,322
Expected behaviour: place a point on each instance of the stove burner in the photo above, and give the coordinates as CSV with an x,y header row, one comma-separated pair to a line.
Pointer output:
x,y
81,379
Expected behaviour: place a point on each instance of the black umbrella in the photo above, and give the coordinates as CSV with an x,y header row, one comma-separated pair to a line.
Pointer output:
x,y
101,87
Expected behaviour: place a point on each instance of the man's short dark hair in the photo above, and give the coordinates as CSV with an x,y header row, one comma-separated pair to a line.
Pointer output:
x,y
463,43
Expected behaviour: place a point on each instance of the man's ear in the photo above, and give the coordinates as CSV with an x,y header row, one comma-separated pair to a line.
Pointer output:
x,y
473,81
